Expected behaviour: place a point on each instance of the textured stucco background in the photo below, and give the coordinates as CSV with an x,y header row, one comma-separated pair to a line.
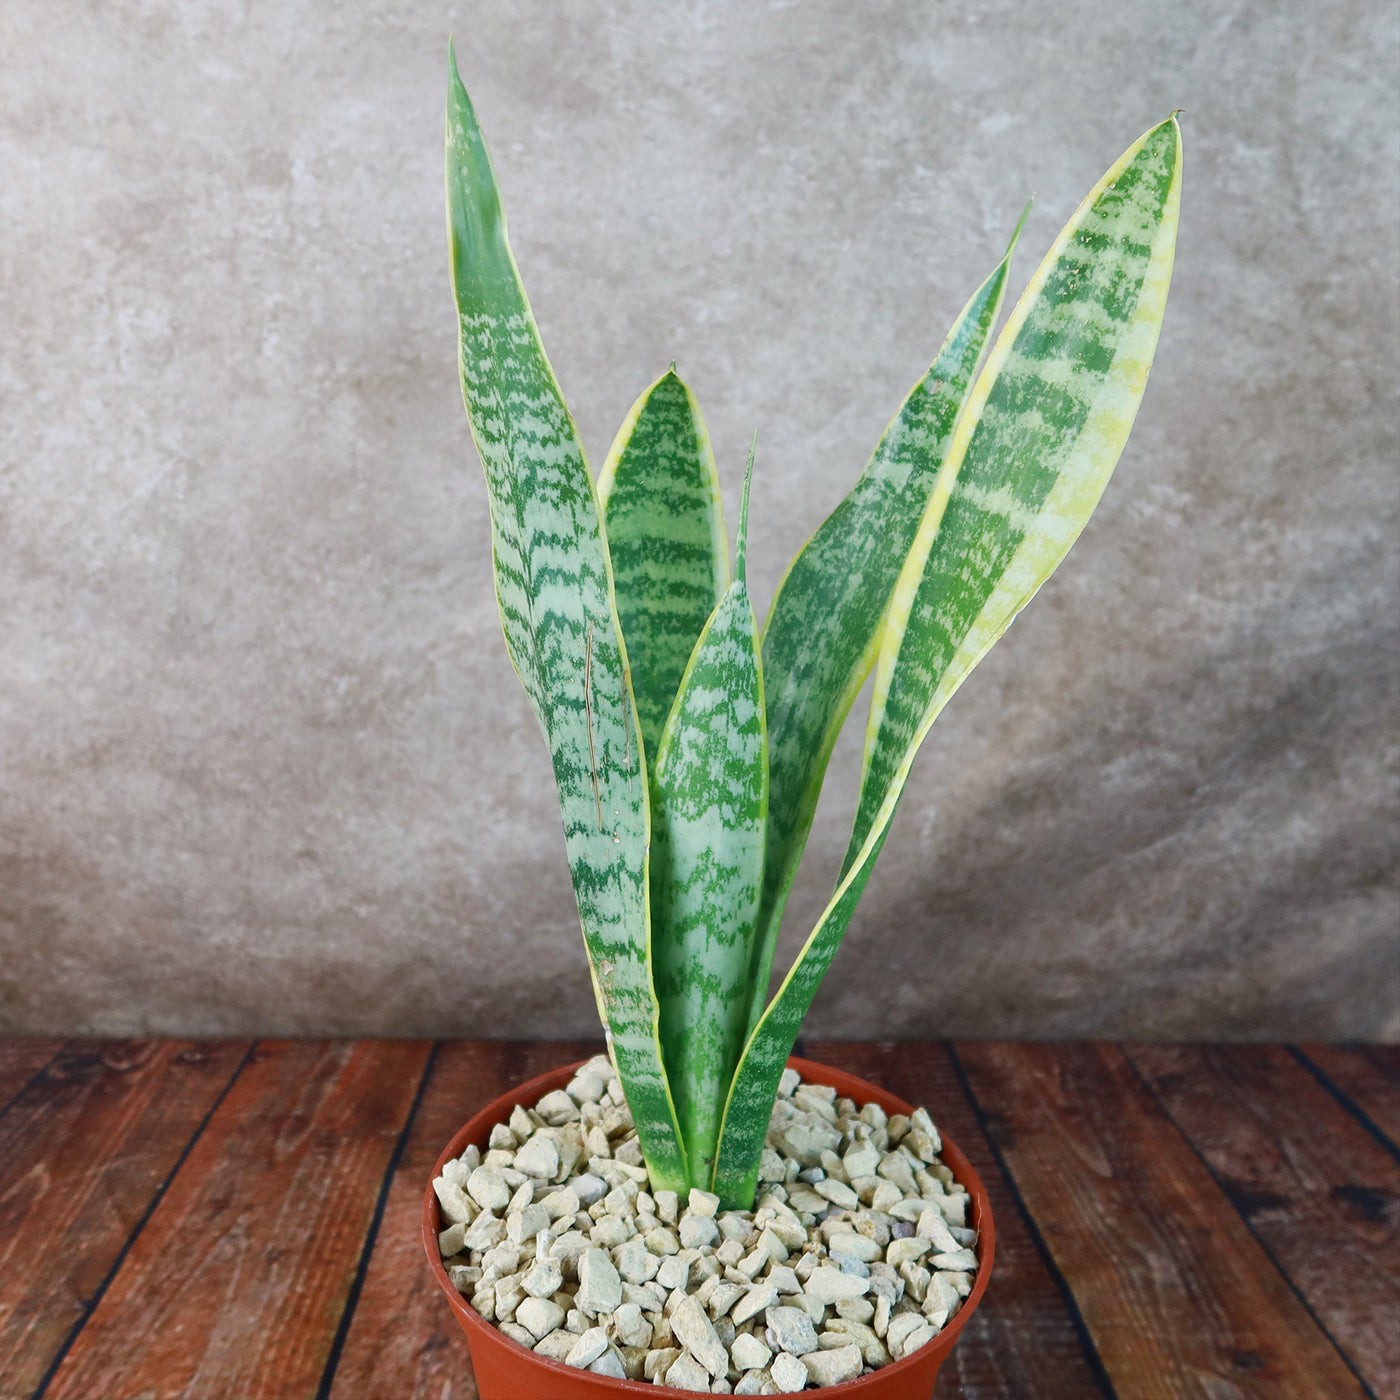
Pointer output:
x,y
263,763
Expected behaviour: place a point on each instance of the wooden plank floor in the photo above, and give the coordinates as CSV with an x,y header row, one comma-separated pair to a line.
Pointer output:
x,y
237,1221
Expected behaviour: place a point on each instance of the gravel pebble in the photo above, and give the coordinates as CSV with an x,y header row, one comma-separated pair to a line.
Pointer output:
x,y
539,1316
790,1330
748,1353
456,1208
788,1374
556,1345
758,1298
901,1327
860,1247
828,1285
697,1231
838,1193
703,1202
833,1367
872,1349
899,1251
557,1108
609,1364
955,1259
686,1373
589,1347
696,1333
488,1188
539,1157
674,1272
544,1280
600,1288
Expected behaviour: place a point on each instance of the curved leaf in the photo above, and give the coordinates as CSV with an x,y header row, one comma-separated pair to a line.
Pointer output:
x,y
1043,431
823,630
665,526
554,590
1030,458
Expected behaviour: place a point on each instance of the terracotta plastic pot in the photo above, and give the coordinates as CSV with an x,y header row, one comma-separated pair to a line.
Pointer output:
x,y
505,1370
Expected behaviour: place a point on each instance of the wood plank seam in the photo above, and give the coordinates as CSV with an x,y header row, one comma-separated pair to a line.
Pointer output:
x,y
33,1079
1086,1340
90,1306
347,1313
1346,1101
278,1193
1283,1273
402,1340
1022,1341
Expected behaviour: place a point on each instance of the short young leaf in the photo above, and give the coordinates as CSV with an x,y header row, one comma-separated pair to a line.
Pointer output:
x,y
665,526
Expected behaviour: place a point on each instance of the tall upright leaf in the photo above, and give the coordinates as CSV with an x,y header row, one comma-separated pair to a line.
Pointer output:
x,y
554,589
709,803
823,629
665,526
1041,434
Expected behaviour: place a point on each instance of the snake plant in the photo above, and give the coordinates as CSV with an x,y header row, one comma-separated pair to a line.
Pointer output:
x,y
688,746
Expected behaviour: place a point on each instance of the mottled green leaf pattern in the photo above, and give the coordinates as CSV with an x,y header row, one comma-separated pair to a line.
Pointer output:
x,y
555,594
710,798
822,633
665,527
1030,457
1043,432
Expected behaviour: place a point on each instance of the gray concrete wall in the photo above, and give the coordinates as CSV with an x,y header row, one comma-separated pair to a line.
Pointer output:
x,y
263,763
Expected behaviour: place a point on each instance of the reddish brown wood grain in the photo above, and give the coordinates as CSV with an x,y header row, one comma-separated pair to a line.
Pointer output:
x,y
402,1340
235,1287
1320,1193
259,1273
1021,1340
20,1061
1368,1075
84,1149
1179,1298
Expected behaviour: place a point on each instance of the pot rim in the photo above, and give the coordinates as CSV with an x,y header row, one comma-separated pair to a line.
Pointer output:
x,y
480,1124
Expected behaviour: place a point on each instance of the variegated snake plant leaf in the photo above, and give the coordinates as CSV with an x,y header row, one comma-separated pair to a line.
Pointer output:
x,y
555,593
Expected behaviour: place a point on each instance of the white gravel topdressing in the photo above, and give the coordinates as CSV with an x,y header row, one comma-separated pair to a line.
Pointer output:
x,y
856,1253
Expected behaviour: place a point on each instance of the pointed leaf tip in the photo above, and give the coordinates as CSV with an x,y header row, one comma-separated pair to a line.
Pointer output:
x,y
1020,224
660,491
741,543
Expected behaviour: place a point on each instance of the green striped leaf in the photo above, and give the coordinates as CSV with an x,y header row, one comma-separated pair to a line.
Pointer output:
x,y
665,528
709,803
823,629
1043,431
554,590
1038,440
